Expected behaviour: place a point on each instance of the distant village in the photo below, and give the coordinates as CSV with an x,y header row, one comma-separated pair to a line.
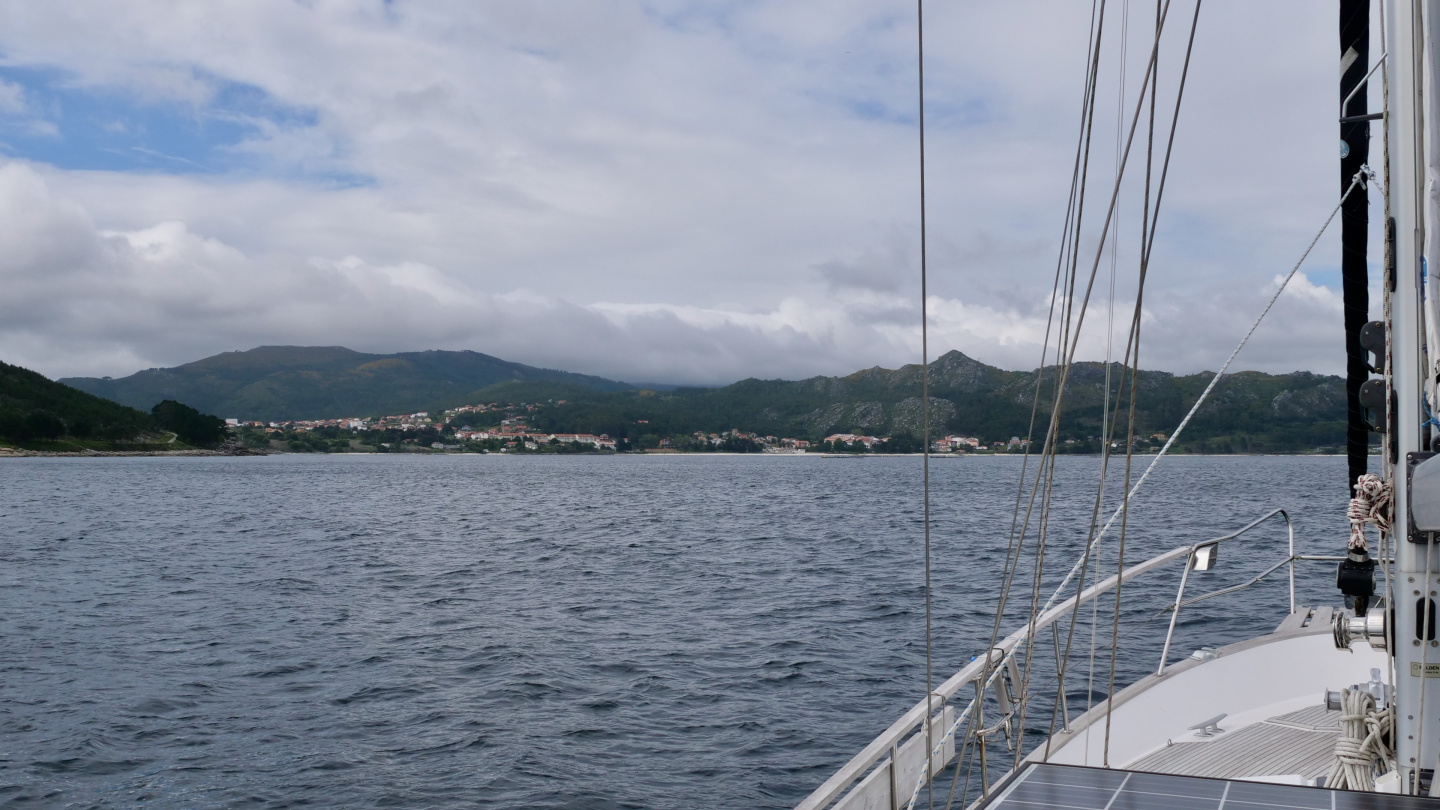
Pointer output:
x,y
505,428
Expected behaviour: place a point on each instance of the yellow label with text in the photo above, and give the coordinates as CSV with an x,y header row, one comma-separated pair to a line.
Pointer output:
x,y
1431,670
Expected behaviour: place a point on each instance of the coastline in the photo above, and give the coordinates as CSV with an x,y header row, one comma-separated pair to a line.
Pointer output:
x,y
8,452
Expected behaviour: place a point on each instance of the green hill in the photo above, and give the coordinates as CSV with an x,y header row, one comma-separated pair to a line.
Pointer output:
x,y
33,407
317,382
1248,412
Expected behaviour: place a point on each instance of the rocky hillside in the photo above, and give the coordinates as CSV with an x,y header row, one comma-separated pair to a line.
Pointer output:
x,y
1248,412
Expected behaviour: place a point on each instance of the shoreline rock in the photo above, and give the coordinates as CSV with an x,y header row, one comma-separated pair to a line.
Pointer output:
x,y
229,448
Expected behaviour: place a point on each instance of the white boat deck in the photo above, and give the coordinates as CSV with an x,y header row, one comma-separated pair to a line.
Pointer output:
x,y
1267,692
1271,690
1300,742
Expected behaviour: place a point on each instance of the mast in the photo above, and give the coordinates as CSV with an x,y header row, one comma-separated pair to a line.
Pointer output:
x,y
1416,652
1355,225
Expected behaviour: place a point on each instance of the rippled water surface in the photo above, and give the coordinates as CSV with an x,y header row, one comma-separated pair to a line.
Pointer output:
x,y
594,632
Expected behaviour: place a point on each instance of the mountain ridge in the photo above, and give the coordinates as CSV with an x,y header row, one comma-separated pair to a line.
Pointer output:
x,y
1249,411
270,383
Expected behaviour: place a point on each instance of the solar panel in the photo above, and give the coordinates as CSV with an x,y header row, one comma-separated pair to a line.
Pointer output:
x,y
1044,786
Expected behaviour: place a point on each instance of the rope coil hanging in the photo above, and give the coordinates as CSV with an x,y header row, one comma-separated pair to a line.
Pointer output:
x,y
1371,504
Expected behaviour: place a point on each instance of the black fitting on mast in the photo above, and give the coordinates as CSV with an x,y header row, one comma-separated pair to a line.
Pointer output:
x,y
1356,580
1354,223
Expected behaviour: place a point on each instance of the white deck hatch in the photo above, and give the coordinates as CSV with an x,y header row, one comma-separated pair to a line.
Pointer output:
x,y
1044,786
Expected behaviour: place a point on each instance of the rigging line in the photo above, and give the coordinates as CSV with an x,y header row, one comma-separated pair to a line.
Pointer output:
x,y
1094,637
1040,374
1094,545
1015,545
1359,177
1094,549
1053,437
1048,467
1051,433
1041,544
1110,213
1075,238
1074,210
1115,232
1145,258
1147,245
1148,218
1045,471
1147,242
1069,238
1069,354
1135,327
925,408
1016,542
1067,357
968,764
959,764
1150,146
1043,532
1108,430
1042,536
1109,344
1073,213
1170,142
1386,471
1124,520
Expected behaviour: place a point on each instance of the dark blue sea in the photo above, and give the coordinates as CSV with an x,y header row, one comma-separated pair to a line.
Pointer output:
x,y
562,632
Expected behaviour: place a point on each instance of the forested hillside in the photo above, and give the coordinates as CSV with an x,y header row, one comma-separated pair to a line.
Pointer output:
x,y
318,382
1248,412
33,407
36,411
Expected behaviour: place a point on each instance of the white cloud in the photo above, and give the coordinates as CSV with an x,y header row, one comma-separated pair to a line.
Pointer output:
x,y
669,191
12,98
164,294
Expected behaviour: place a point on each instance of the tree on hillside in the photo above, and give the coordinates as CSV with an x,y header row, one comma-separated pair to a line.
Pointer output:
x,y
902,443
12,426
44,425
81,427
116,432
191,426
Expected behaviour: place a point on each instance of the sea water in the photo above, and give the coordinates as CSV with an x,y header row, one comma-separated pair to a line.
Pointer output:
x,y
588,632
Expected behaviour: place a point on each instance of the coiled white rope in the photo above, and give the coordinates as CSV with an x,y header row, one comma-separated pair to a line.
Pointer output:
x,y
1371,504
1361,748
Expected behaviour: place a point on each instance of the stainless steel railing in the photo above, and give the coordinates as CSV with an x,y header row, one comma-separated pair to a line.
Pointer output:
x,y
884,772
1202,557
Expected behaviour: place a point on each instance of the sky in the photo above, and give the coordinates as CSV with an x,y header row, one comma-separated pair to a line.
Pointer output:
x,y
648,190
